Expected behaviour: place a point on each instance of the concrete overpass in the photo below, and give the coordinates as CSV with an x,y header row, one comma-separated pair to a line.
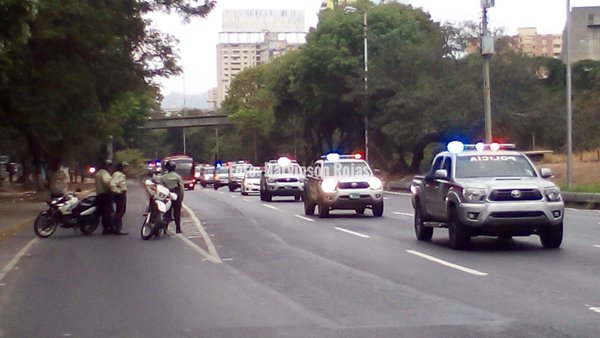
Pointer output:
x,y
187,121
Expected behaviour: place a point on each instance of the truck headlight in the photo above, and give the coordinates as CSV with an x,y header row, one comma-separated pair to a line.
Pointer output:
x,y
329,185
375,183
474,194
552,194
271,180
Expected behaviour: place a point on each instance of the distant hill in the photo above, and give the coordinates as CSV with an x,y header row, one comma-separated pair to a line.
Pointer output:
x,y
175,101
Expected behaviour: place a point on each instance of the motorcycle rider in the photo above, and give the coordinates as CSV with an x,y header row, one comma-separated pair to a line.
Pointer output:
x,y
118,187
172,181
104,197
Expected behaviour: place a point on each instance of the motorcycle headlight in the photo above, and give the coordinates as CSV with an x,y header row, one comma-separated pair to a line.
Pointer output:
x,y
552,194
375,183
329,185
474,194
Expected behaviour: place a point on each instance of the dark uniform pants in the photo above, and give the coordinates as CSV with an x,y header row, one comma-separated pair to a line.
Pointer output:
x,y
176,207
121,207
104,203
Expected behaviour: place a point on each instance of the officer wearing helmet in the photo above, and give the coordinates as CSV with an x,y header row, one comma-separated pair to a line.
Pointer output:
x,y
172,181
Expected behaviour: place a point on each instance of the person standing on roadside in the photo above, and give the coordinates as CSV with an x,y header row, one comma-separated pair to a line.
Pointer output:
x,y
118,187
103,196
172,181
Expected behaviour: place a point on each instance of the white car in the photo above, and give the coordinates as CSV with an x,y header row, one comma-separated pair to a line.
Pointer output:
x,y
251,182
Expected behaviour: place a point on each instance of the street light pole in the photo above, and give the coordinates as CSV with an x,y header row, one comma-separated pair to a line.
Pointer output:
x,y
568,98
366,57
347,10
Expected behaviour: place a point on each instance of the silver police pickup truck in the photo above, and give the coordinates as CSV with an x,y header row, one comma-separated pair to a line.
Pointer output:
x,y
489,190
343,182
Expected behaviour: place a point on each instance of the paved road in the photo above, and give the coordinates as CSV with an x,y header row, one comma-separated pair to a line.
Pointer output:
x,y
251,269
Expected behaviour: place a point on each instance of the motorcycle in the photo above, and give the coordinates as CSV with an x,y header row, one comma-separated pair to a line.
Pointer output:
x,y
68,211
156,219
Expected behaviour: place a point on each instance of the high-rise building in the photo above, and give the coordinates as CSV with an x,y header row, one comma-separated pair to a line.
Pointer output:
x,y
533,44
253,37
584,35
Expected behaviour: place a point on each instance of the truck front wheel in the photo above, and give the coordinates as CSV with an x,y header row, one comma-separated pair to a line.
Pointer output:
x,y
458,233
422,232
551,236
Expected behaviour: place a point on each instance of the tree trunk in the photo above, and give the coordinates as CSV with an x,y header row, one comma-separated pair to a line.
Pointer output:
x,y
419,149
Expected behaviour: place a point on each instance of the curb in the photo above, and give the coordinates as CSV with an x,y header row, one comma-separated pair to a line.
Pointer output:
x,y
568,197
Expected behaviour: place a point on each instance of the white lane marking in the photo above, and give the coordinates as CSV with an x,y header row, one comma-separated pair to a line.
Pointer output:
x,y
16,259
220,192
270,206
305,218
352,232
398,193
213,255
448,264
403,213
247,200
387,198
597,246
593,308
233,196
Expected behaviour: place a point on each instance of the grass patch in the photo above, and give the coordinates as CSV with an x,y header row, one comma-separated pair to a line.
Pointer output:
x,y
591,188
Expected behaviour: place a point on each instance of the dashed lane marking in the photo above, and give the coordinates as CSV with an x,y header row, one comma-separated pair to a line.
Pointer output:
x,y
403,213
270,206
352,232
597,246
593,308
448,264
305,218
16,259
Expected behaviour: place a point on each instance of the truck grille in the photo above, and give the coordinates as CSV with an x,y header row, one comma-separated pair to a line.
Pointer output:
x,y
287,180
516,195
353,185
517,214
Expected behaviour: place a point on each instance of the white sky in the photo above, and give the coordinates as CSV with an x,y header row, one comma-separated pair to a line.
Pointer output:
x,y
198,39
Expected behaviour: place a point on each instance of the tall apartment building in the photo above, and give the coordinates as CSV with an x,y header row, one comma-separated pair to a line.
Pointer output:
x,y
253,37
533,44
584,35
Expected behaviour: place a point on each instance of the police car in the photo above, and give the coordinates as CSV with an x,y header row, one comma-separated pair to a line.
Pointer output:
x,y
343,182
281,177
489,190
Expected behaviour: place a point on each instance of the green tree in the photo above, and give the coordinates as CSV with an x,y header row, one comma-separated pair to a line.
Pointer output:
x,y
83,71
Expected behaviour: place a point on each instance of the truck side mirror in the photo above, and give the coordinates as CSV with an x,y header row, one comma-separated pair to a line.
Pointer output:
x,y
546,172
441,174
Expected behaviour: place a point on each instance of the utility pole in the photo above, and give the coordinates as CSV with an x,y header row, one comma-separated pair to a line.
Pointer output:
x,y
568,98
487,50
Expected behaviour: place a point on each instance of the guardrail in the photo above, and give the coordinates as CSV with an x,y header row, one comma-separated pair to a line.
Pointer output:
x,y
591,199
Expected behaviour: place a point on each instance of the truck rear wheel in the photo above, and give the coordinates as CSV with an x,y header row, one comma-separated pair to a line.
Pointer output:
x,y
458,233
422,232
551,236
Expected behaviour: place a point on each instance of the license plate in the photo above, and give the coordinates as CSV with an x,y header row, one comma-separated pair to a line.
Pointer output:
x,y
354,196
288,187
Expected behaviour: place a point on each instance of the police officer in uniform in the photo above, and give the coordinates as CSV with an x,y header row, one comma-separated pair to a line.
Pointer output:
x,y
118,187
103,196
172,181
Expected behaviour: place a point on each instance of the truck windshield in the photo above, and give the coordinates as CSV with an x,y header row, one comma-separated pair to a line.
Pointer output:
x,y
493,166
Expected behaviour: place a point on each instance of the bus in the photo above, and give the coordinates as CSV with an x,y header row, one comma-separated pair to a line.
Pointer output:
x,y
184,166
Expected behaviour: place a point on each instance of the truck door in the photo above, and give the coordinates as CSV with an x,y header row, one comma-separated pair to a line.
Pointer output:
x,y
432,189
